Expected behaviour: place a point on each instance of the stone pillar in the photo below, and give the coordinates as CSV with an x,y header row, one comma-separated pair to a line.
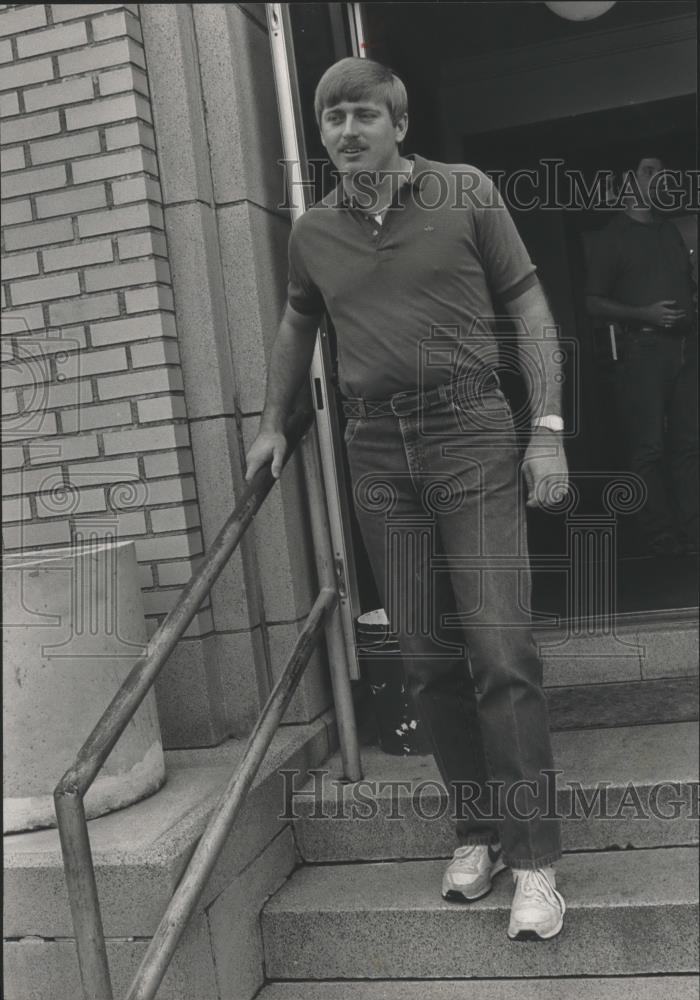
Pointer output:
x,y
73,627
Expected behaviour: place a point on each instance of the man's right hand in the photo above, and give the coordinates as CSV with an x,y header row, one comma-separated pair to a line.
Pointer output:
x,y
663,313
267,445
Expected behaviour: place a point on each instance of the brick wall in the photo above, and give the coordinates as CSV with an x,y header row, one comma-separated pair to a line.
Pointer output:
x,y
95,422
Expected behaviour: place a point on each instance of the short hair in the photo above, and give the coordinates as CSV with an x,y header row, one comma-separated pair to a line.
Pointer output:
x,y
354,79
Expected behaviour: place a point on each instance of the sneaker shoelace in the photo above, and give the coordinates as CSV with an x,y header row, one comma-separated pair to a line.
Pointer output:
x,y
534,884
468,856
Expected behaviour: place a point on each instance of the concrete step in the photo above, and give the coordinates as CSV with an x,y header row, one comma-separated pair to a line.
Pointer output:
x,y
629,913
595,706
400,809
610,988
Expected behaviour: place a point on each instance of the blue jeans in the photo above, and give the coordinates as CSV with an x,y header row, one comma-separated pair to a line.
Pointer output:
x,y
438,501
657,396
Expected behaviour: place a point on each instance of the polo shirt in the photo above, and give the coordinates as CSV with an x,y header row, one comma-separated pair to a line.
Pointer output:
x,y
411,299
639,263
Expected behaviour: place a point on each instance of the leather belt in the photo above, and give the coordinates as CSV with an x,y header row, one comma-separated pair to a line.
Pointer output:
x,y
409,401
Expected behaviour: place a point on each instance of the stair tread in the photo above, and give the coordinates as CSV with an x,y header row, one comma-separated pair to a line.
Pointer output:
x,y
629,913
604,988
666,876
623,754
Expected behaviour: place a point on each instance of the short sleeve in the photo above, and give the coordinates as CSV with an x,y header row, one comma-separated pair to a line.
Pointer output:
x,y
506,261
302,294
603,265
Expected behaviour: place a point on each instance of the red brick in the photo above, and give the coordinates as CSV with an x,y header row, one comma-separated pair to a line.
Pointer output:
x,y
56,95
140,383
63,37
108,109
80,310
146,299
40,289
23,74
133,328
156,352
9,104
5,50
174,490
132,217
167,407
22,17
82,501
119,23
115,470
134,133
31,480
136,189
79,254
29,181
72,11
89,417
12,159
142,245
124,50
19,265
175,546
167,436
67,394
16,322
130,161
139,272
40,425
16,509
14,212
71,201
65,148
30,127
93,363
36,535
68,447
116,81
38,234
12,458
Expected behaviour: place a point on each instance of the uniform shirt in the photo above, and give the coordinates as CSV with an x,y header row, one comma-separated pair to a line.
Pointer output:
x,y
411,299
639,263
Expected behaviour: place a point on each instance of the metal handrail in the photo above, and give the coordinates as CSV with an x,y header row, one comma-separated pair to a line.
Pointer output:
x,y
70,791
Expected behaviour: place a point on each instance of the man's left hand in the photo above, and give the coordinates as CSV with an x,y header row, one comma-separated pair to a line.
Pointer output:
x,y
546,471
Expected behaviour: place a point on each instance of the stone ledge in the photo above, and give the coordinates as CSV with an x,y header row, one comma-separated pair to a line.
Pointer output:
x,y
140,852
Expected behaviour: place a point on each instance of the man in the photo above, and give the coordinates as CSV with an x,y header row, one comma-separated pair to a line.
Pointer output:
x,y
404,247
640,276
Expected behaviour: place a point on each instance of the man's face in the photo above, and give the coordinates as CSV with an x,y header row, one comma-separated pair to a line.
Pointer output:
x,y
646,170
360,135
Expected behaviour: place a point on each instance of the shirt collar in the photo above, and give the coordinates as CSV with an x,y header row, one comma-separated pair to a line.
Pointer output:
x,y
339,199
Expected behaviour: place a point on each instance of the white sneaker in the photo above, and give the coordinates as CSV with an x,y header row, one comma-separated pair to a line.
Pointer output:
x,y
537,912
468,876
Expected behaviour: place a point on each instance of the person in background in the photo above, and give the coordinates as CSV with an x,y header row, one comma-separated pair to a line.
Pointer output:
x,y
640,276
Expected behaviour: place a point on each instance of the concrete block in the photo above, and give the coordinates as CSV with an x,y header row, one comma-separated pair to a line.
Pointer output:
x,y
559,988
48,970
588,659
174,81
234,596
254,258
201,310
628,913
186,680
313,695
241,106
234,918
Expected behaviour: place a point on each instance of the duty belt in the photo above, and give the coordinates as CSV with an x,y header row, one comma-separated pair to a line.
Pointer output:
x,y
409,401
